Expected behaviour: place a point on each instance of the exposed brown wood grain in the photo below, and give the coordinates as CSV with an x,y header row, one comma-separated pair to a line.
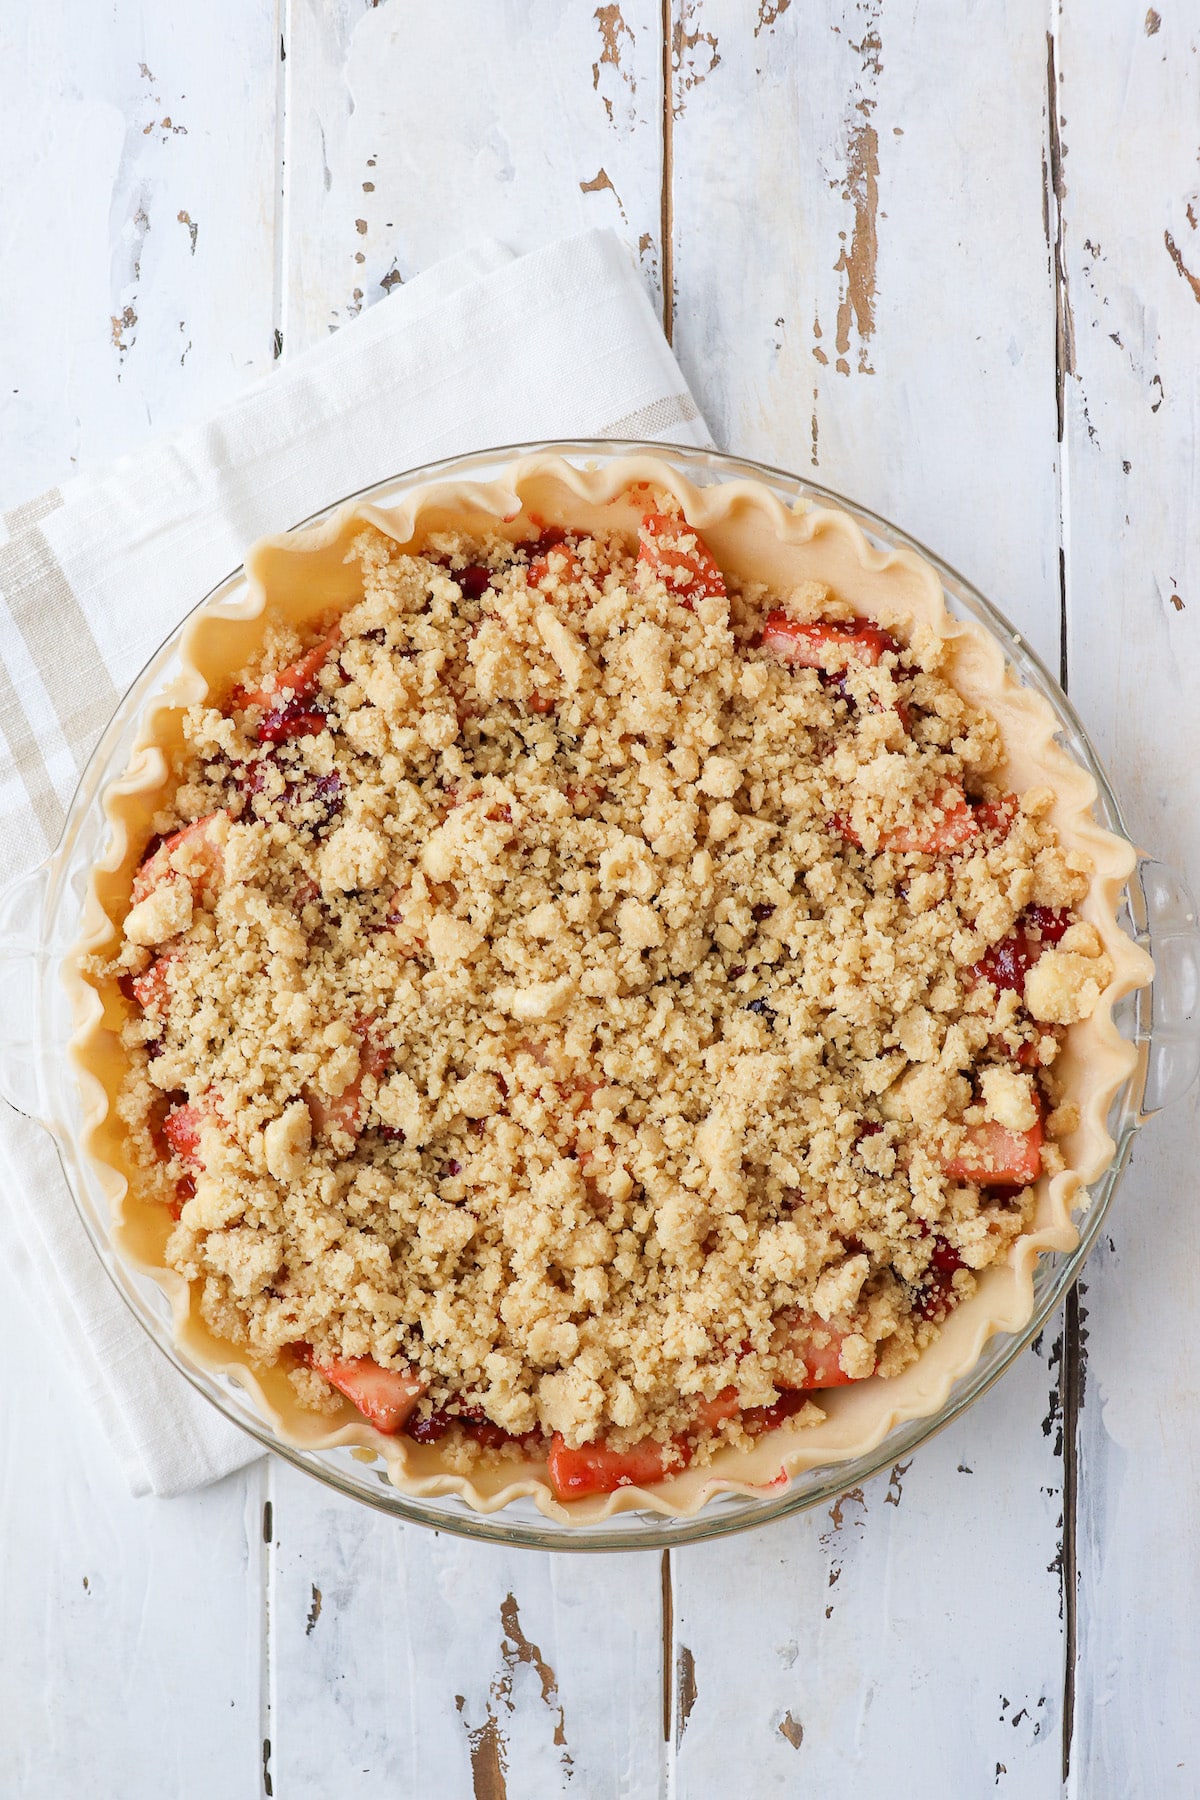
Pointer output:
x,y
694,54
859,257
668,1644
895,1488
612,25
486,1742
687,1691
488,1765
792,1730
768,12
1176,255
518,1648
599,183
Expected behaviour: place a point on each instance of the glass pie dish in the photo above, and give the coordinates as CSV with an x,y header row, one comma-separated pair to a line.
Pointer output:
x,y
45,911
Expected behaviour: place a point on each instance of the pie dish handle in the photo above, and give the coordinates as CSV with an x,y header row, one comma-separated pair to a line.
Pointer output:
x,y
1167,1013
24,964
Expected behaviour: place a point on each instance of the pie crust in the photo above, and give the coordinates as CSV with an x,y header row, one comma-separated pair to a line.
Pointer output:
x,y
303,574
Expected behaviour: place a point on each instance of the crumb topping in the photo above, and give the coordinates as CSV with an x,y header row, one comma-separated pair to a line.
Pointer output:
x,y
586,987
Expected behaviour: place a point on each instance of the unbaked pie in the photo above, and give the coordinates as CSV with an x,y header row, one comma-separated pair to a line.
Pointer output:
x,y
607,989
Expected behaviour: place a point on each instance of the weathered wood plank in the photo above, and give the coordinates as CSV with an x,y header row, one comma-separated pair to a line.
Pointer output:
x,y
863,282
131,1629
902,1641
884,325
1128,95
139,149
417,1663
415,132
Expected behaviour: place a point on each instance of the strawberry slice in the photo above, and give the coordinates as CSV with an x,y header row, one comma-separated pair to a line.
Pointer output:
x,y
560,561
595,1469
935,1296
179,1135
474,1424
345,1112
822,1361
994,1156
181,1128
671,550
185,1189
206,857
826,643
150,988
950,823
296,681
759,1419
384,1397
996,816
1005,964
711,1413
473,582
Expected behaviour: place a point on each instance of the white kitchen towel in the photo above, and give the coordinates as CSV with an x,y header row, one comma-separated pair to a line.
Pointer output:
x,y
482,350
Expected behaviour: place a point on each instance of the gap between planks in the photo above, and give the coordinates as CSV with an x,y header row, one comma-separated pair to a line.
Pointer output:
x,y
1071,1371
667,224
283,33
668,1632
262,1515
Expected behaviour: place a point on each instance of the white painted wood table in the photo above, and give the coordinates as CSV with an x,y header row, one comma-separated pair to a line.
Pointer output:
x,y
945,257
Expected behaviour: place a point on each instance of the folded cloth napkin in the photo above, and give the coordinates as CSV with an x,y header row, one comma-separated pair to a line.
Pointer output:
x,y
483,349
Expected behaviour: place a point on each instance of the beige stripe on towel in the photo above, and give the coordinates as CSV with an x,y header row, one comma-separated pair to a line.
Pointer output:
x,y
52,622
647,421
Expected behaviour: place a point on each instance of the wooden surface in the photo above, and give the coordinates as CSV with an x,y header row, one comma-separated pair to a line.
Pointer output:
x,y
945,258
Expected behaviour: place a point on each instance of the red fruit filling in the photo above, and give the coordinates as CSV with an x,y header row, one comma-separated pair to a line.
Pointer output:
x,y
297,681
994,1156
384,1397
205,857
297,718
935,1292
673,550
474,581
950,823
825,643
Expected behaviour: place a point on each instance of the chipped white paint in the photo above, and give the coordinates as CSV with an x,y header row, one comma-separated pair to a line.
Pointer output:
x,y
862,288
